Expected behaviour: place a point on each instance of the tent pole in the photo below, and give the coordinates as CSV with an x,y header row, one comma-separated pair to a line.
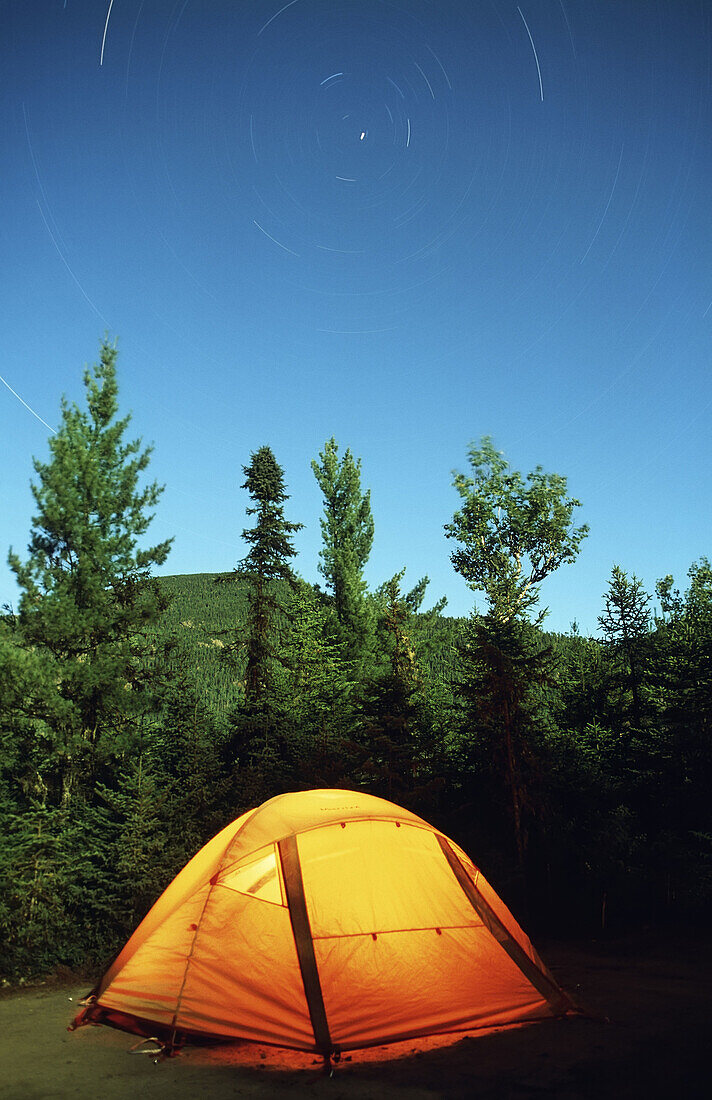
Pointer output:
x,y
294,886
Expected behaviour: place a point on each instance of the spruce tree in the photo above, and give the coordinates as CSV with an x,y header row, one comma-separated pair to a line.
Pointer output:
x,y
132,822
626,627
678,768
315,692
267,567
347,530
504,665
397,728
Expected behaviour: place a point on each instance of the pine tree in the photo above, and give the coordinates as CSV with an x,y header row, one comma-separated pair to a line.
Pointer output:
x,y
88,602
347,530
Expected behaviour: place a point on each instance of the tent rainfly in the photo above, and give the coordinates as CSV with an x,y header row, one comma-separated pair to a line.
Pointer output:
x,y
325,921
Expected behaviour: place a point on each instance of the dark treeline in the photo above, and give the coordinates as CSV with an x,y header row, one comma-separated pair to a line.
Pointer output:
x,y
577,771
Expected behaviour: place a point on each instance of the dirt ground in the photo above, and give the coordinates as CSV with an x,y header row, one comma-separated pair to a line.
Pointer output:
x,y
656,994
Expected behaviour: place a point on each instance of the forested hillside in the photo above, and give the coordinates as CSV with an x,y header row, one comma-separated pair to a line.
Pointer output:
x,y
139,715
207,612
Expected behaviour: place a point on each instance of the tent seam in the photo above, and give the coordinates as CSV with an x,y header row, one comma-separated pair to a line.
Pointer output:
x,y
347,821
395,931
213,883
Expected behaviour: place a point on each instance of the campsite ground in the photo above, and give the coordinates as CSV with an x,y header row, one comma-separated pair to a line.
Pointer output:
x,y
657,994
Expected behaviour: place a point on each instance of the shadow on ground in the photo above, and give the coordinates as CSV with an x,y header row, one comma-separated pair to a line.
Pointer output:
x,y
658,997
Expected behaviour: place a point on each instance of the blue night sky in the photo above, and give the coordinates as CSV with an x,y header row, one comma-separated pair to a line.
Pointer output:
x,y
404,224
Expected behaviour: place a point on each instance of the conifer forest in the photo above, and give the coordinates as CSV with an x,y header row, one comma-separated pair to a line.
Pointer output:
x,y
140,714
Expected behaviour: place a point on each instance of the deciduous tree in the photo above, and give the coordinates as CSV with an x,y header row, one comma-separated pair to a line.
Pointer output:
x,y
513,532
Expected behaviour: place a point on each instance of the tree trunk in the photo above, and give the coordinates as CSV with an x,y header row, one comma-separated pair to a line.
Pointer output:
x,y
514,786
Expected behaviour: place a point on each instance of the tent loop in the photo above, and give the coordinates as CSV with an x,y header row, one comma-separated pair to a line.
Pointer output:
x,y
144,1046
331,1060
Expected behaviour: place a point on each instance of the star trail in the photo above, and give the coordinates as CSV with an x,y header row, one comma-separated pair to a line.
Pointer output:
x,y
404,225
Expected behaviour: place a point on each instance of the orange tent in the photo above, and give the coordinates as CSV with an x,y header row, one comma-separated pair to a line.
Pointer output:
x,y
325,921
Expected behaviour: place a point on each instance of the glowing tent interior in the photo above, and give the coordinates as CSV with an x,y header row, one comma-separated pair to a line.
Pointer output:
x,y
325,921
